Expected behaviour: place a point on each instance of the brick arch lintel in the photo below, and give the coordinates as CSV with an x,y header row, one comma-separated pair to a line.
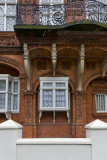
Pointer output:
x,y
91,78
12,63
60,74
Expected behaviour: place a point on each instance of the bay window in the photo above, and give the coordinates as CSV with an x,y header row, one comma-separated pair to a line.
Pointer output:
x,y
7,14
54,95
101,102
9,94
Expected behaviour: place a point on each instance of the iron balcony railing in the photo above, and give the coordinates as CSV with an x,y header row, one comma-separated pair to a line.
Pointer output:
x,y
76,10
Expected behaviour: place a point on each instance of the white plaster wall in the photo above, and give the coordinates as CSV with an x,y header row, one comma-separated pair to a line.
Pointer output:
x,y
99,144
8,144
73,151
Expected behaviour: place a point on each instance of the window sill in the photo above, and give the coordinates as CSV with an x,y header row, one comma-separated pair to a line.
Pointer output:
x,y
100,114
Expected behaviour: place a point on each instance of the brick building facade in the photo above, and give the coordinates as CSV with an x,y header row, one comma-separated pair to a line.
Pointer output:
x,y
61,45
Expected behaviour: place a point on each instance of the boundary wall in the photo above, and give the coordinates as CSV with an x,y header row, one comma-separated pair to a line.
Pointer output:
x,y
14,147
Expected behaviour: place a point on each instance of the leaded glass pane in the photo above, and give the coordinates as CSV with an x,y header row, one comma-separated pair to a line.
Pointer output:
x,y
1,19
45,1
15,88
47,98
9,86
9,101
57,1
10,23
11,9
2,100
11,1
15,102
47,84
60,98
2,6
2,85
2,1
60,84
100,102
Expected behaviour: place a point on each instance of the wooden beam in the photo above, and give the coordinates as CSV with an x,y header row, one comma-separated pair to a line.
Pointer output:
x,y
104,67
54,58
27,65
81,66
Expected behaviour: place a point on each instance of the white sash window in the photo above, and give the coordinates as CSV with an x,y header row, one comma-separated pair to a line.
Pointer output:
x,y
7,14
101,102
9,94
53,94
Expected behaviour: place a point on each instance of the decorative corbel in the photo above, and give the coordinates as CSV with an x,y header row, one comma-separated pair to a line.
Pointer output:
x,y
27,64
54,58
104,66
81,66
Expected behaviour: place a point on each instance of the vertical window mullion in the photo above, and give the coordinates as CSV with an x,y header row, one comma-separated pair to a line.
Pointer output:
x,y
5,12
106,102
12,95
41,96
6,100
54,96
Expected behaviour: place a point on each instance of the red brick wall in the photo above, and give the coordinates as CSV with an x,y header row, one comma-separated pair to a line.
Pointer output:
x,y
81,104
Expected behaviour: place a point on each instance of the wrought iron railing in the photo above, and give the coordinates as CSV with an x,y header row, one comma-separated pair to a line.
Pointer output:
x,y
34,14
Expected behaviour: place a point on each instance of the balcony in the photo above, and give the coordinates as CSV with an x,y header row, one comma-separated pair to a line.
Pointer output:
x,y
62,15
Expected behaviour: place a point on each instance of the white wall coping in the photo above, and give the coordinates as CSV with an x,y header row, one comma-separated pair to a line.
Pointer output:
x,y
54,141
10,124
97,124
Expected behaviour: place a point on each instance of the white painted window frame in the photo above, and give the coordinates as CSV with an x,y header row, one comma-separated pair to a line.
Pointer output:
x,y
12,79
54,80
105,102
5,3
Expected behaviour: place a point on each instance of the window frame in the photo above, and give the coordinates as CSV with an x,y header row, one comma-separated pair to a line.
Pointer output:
x,y
98,111
8,78
54,80
6,15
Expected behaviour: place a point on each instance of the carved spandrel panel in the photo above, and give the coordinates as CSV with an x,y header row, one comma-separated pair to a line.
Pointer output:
x,y
66,65
8,41
90,65
41,65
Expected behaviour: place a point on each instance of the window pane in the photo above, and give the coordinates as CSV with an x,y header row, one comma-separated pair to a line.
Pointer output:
x,y
45,1
15,87
11,9
57,1
1,19
9,101
9,86
15,102
100,102
11,1
10,23
47,98
2,101
2,1
47,85
2,85
60,98
60,84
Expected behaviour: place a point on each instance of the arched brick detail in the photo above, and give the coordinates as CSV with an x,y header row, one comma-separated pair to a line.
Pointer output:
x,y
36,83
92,77
34,48
96,47
12,63
66,47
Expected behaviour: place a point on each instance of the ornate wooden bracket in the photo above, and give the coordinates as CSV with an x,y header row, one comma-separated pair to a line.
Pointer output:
x,y
27,64
104,67
81,66
54,58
